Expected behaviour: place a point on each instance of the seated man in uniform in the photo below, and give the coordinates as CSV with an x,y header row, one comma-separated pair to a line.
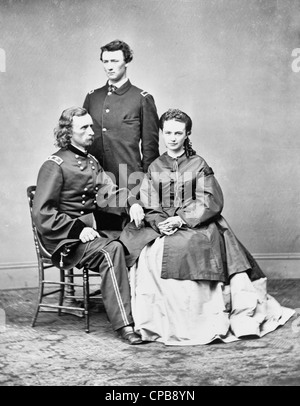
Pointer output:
x,y
71,189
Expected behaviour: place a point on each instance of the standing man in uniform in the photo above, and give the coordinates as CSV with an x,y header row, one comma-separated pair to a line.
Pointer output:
x,y
71,189
126,123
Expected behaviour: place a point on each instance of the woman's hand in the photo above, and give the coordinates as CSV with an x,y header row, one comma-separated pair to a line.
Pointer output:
x,y
137,215
170,225
88,234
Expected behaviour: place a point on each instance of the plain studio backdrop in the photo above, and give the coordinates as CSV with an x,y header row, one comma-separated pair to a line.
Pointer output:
x,y
230,64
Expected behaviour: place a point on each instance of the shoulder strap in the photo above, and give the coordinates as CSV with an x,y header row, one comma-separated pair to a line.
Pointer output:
x,y
144,93
55,159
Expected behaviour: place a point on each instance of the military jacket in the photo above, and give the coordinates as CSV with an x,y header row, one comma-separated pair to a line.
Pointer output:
x,y
71,189
126,131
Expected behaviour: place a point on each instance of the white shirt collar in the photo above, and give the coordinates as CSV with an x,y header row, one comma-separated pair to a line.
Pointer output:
x,y
118,84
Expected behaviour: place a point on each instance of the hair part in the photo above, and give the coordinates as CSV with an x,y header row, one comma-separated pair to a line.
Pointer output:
x,y
118,45
64,129
178,115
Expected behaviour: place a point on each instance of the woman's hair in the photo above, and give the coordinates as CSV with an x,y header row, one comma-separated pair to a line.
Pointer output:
x,y
118,45
178,115
63,131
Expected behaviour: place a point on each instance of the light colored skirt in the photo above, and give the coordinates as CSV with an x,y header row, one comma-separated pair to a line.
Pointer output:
x,y
192,313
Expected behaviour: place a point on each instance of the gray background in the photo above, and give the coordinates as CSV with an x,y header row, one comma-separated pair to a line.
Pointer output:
x,y
228,64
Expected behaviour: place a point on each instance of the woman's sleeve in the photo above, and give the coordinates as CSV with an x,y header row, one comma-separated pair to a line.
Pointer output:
x,y
205,202
149,197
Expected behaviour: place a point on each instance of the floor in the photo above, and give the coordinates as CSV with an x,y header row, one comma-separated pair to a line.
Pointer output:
x,y
58,352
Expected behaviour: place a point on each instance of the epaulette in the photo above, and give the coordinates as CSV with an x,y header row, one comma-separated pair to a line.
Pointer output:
x,y
55,159
91,91
144,93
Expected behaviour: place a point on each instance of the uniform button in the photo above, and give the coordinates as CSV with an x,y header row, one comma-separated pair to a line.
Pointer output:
x,y
91,162
95,201
85,189
108,93
96,188
107,110
83,202
104,129
96,194
82,212
79,162
83,196
81,168
76,156
93,167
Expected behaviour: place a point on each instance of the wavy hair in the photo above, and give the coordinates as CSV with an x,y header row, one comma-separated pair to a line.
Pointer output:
x,y
63,131
178,115
118,45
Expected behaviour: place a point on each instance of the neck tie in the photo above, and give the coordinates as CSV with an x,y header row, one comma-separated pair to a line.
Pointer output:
x,y
112,88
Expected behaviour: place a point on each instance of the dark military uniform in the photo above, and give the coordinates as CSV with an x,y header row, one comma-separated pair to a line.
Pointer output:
x,y
126,127
122,120
71,186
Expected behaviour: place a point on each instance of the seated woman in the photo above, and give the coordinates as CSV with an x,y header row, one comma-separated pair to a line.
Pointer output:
x,y
192,281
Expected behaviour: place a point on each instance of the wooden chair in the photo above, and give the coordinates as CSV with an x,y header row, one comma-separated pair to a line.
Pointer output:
x,y
65,286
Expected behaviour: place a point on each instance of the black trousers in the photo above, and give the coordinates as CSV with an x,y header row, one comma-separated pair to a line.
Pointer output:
x,y
108,258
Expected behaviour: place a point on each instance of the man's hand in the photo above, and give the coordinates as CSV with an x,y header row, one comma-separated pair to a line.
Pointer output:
x,y
137,215
88,234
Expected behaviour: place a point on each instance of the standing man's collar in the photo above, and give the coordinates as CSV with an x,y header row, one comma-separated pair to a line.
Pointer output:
x,y
122,89
120,83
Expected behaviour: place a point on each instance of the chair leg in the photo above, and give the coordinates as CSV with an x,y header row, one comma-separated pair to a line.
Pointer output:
x,y
62,290
70,290
40,292
86,293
